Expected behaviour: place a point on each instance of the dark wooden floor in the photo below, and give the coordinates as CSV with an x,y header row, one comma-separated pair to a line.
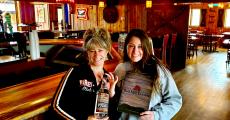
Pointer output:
x,y
205,87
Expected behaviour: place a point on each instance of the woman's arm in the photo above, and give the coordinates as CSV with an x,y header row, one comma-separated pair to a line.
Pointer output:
x,y
171,99
62,98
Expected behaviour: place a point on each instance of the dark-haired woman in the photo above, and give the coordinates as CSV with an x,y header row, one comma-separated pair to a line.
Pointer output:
x,y
138,58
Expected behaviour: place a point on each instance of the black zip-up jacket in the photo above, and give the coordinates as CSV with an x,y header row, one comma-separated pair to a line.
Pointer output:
x,y
76,94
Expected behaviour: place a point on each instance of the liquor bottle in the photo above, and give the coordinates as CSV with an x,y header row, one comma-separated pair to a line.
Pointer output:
x,y
102,100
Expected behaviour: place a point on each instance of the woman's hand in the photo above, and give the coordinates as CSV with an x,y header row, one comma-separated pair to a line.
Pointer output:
x,y
147,115
113,79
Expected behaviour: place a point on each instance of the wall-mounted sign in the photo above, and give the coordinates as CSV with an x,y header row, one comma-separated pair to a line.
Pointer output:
x,y
82,13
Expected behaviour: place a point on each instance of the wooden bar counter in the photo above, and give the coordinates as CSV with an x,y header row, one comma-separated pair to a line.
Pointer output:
x,y
61,41
19,66
47,42
28,99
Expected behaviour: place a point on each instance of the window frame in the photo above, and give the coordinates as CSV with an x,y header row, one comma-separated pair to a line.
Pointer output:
x,y
191,23
227,18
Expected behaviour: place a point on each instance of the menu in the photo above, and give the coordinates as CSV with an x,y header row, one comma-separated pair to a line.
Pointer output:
x,y
136,93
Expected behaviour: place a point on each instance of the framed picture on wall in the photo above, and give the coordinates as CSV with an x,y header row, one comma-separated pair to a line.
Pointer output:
x,y
82,13
39,13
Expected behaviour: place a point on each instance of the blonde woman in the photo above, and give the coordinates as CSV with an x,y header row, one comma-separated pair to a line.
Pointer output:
x,y
76,94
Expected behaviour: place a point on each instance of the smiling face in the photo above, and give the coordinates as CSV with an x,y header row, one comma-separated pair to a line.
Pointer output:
x,y
97,56
134,49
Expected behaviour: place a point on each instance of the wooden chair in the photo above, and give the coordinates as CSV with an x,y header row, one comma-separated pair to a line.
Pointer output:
x,y
228,58
214,44
205,43
228,52
172,48
164,49
191,47
209,43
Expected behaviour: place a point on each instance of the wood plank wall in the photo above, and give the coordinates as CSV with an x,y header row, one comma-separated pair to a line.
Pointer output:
x,y
80,24
168,19
113,27
137,16
95,19
131,16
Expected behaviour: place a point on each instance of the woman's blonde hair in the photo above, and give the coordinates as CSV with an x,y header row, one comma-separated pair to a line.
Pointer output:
x,y
97,37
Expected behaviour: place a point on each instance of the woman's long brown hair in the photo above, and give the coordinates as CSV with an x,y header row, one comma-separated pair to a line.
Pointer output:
x,y
148,64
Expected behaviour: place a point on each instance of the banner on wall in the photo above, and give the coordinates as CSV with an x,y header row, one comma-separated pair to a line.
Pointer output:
x,y
82,13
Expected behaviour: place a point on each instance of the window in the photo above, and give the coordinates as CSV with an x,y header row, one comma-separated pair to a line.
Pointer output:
x,y
9,7
195,17
227,18
60,19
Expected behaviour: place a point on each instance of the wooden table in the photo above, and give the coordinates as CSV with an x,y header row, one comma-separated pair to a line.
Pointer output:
x,y
226,33
209,40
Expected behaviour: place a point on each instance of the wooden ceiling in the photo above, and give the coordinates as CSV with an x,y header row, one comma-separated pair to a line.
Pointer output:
x,y
203,1
115,2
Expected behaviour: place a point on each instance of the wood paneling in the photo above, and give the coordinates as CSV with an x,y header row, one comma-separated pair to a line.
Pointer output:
x,y
90,2
95,19
137,16
80,24
205,1
113,27
168,19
